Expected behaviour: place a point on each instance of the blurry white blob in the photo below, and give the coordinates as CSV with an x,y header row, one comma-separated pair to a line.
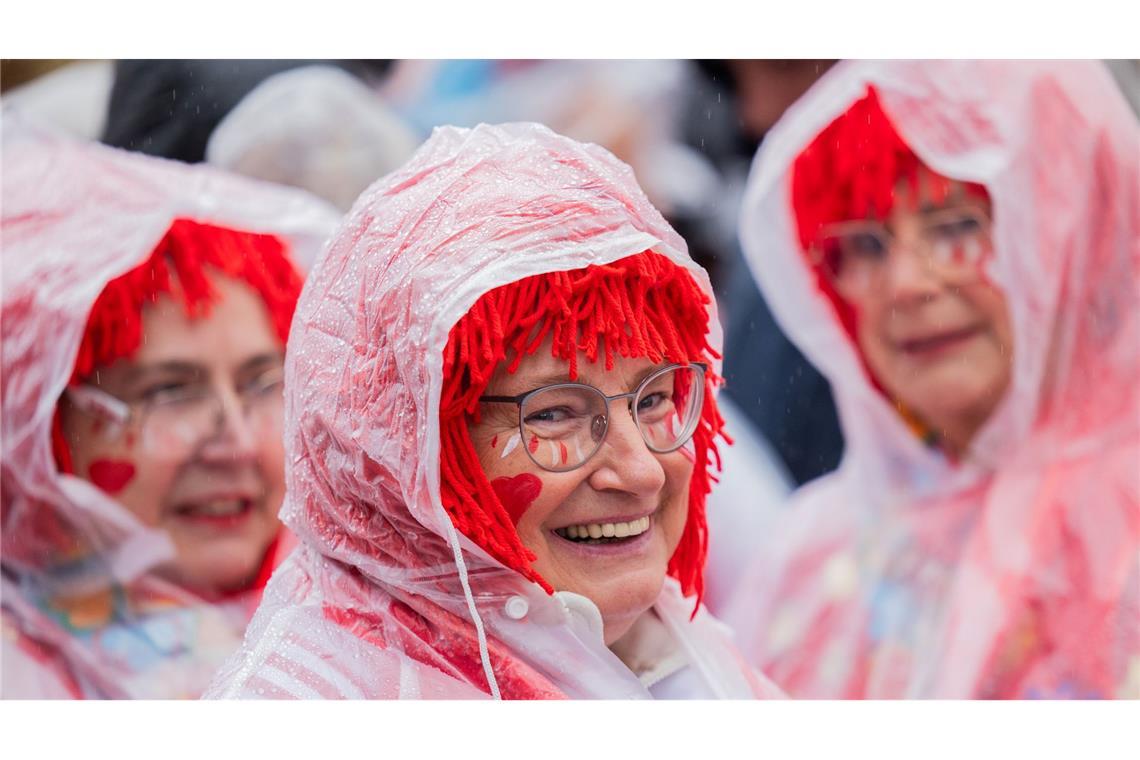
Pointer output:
x,y
317,128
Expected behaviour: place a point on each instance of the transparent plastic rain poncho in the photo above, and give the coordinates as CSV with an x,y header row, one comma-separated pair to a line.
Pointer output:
x,y
1014,573
384,598
75,216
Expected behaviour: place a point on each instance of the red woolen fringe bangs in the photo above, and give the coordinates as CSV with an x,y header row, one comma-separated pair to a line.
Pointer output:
x,y
641,306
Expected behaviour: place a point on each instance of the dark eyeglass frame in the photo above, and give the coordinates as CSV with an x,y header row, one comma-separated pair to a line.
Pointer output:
x,y
521,399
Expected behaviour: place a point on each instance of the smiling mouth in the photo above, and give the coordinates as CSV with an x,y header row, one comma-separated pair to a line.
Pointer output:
x,y
937,342
215,511
604,533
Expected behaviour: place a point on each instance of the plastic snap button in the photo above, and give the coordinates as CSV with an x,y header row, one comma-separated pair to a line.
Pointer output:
x,y
516,608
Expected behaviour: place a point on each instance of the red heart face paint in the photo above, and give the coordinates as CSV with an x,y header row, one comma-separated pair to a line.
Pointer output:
x,y
517,493
111,475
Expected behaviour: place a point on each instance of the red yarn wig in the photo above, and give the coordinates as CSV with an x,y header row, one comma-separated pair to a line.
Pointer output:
x,y
850,171
640,306
179,267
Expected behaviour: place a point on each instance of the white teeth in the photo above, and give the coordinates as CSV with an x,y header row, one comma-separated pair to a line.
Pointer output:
x,y
605,530
221,508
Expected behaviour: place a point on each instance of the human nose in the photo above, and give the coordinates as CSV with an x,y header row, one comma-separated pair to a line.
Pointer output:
x,y
232,437
625,462
908,274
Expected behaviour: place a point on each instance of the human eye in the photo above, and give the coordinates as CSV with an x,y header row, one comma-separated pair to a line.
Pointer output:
x,y
549,415
169,391
654,406
556,412
846,252
955,228
555,422
864,244
654,400
265,384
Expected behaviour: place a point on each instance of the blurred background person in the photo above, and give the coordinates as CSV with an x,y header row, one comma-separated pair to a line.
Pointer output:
x,y
320,128
170,108
67,96
145,310
955,245
317,125
320,125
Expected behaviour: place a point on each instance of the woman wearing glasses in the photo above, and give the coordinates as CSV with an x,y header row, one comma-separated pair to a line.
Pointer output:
x,y
955,246
500,430
145,310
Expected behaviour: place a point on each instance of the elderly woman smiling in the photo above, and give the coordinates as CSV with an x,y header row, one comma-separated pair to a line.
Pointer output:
x,y
954,244
500,426
145,310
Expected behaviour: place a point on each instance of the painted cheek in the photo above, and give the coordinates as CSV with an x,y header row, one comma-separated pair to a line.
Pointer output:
x,y
533,445
517,493
494,441
111,475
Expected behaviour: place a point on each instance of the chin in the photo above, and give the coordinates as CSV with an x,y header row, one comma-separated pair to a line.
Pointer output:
x,y
949,398
617,625
623,599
